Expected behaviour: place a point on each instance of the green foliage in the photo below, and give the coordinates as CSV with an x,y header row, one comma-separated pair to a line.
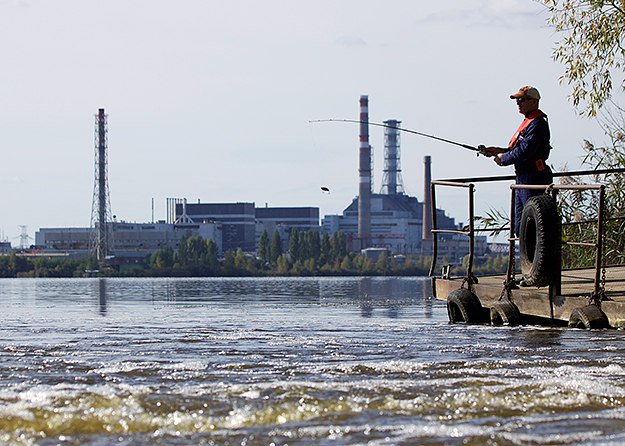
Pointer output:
x,y
383,264
263,246
234,264
294,244
275,250
162,259
212,259
579,208
591,50
282,267
325,249
495,221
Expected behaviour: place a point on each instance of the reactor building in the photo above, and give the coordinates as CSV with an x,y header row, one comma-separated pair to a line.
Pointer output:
x,y
392,219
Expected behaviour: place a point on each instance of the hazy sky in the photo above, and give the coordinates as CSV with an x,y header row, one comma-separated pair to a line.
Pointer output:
x,y
211,100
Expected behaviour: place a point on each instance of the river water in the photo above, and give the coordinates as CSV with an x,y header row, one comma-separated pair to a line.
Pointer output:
x,y
291,361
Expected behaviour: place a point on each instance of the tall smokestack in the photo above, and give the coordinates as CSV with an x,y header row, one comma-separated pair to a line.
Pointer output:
x,y
392,181
364,189
427,198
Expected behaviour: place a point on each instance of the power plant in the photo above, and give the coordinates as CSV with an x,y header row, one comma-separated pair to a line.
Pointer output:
x,y
390,220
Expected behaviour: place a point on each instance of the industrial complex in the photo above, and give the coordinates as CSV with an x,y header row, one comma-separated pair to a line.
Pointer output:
x,y
389,220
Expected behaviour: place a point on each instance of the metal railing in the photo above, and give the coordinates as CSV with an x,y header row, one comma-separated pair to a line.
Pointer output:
x,y
470,230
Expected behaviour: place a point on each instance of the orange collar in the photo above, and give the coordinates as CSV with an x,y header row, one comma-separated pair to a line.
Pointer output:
x,y
528,119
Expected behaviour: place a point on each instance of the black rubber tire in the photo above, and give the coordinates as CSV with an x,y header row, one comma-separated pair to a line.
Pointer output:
x,y
588,317
505,313
464,307
539,237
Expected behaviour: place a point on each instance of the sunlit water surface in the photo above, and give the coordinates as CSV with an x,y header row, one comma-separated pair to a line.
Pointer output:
x,y
291,361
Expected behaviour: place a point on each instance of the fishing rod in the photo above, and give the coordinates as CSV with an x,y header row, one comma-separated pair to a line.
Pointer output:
x,y
377,124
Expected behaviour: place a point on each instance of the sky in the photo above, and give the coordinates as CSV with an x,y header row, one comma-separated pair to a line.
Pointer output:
x,y
211,100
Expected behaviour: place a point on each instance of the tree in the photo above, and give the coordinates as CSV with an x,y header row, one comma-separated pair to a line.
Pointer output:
x,y
276,248
182,250
581,207
196,250
294,247
212,258
240,262
282,265
229,263
304,247
315,245
382,265
162,259
591,50
339,246
346,264
325,249
263,246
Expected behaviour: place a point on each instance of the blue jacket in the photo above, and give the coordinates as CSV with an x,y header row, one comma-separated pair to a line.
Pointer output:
x,y
530,152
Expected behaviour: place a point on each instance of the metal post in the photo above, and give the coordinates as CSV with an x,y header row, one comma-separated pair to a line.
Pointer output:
x,y
471,236
434,226
511,239
597,287
558,275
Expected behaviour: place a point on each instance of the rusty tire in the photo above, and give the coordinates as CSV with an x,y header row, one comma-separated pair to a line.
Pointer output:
x,y
464,307
539,237
588,317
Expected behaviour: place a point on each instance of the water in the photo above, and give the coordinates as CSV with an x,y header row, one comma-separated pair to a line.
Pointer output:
x,y
291,361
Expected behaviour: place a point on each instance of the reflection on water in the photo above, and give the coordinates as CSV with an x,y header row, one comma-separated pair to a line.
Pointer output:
x,y
102,296
291,361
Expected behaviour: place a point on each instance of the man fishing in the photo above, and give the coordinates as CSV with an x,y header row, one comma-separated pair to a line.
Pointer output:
x,y
528,149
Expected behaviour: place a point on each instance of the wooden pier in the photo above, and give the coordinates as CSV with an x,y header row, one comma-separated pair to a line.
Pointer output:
x,y
576,289
592,297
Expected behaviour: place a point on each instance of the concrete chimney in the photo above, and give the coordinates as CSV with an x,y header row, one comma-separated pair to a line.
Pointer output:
x,y
427,198
364,170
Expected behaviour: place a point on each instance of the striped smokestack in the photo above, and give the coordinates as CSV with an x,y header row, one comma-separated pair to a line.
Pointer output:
x,y
364,189
427,198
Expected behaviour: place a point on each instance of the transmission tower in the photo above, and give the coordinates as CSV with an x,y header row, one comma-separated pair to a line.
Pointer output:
x,y
24,237
101,206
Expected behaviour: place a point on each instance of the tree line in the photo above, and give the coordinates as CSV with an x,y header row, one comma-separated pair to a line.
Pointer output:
x,y
308,253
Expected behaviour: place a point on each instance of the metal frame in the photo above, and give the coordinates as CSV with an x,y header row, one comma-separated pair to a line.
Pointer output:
x,y
470,232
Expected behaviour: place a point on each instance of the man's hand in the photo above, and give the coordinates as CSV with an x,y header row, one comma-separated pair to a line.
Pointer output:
x,y
490,151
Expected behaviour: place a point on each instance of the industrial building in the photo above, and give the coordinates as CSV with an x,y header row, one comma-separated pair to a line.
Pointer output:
x,y
5,248
391,219
237,221
243,223
128,240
